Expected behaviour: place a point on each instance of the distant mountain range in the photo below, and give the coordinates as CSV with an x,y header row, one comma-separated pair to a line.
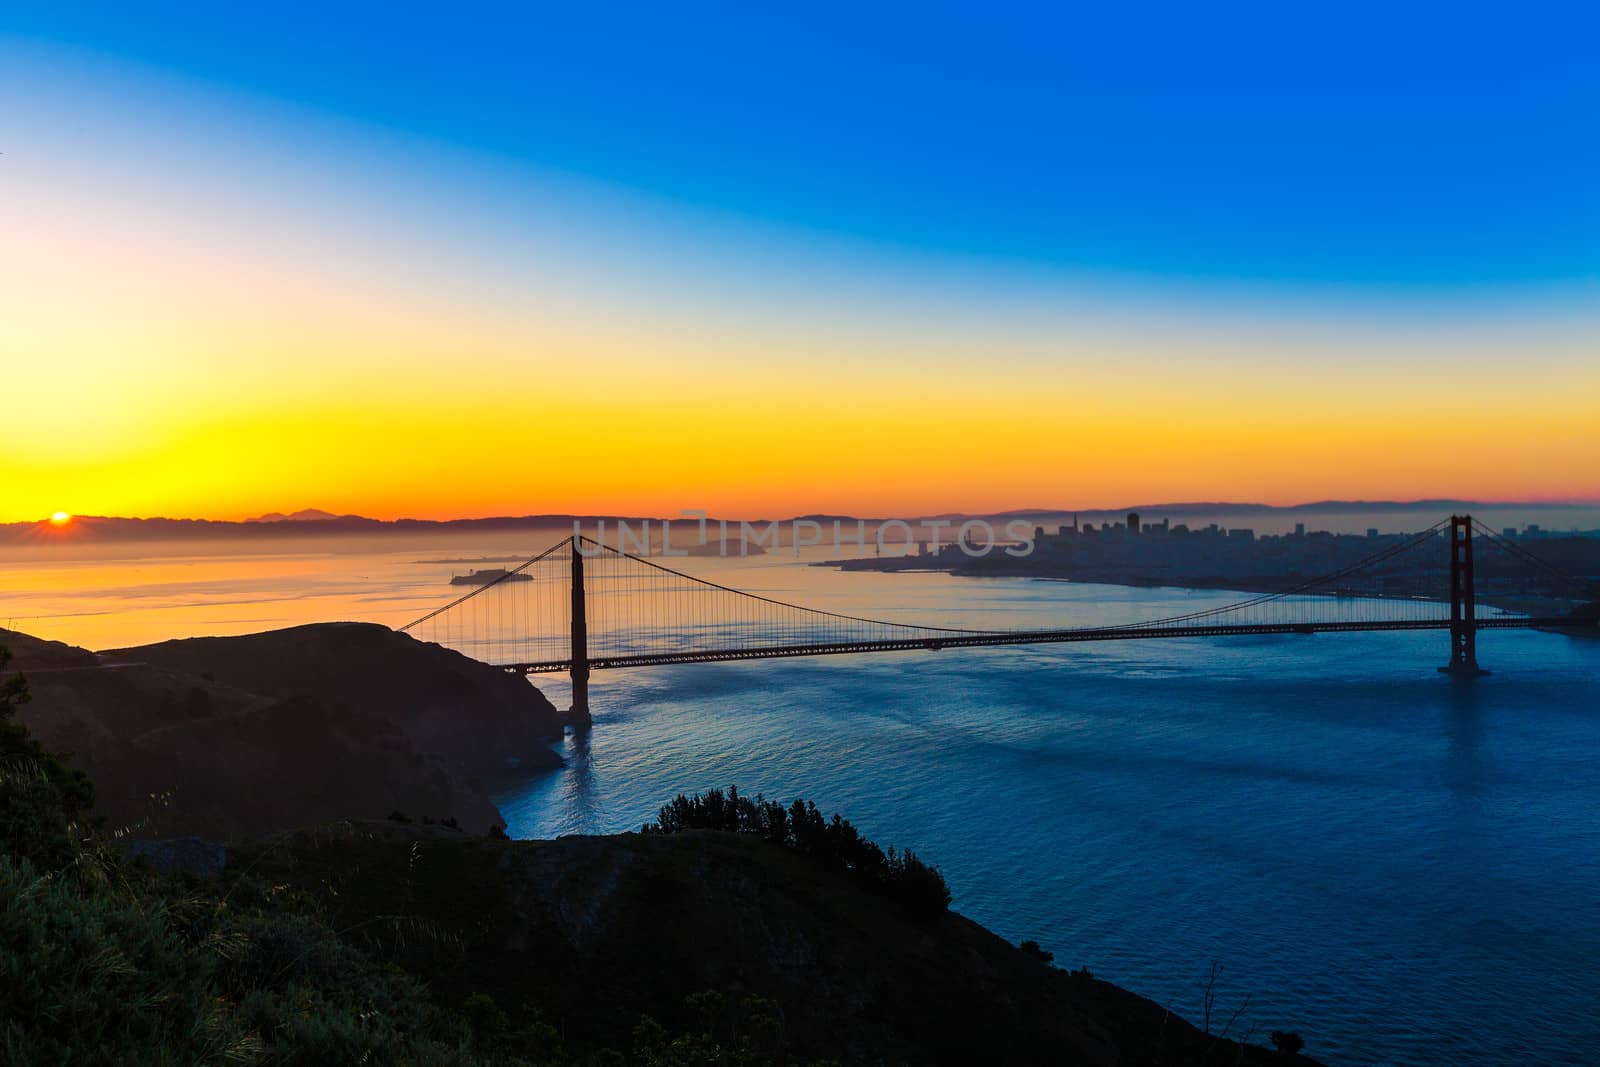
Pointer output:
x,y
303,515
319,523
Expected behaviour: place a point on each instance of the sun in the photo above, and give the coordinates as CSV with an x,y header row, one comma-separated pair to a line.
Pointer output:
x,y
60,518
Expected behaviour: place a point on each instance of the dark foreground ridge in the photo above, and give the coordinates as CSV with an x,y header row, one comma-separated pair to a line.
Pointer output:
x,y
227,736
718,933
733,932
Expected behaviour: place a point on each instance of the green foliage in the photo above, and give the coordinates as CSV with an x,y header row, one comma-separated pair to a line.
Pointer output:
x,y
103,962
17,744
118,970
834,843
505,1038
42,801
104,977
745,1031
34,823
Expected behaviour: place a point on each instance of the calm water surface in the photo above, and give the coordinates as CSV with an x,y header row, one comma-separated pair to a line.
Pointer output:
x,y
1401,867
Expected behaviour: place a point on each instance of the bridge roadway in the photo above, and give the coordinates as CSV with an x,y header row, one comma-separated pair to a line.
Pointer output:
x,y
1024,637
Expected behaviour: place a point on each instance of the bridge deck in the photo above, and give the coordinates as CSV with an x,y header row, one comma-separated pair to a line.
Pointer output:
x,y
1032,637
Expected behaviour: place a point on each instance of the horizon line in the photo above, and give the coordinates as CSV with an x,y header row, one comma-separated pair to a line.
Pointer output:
x,y
280,519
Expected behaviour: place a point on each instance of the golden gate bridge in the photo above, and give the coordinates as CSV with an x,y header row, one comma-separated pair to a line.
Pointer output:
x,y
581,606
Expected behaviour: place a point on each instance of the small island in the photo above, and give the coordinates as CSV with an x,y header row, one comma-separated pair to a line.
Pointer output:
x,y
490,577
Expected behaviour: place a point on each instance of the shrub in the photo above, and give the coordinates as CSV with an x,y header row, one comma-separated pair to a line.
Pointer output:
x,y
101,962
834,843
1032,950
1287,1042
43,803
107,962
103,977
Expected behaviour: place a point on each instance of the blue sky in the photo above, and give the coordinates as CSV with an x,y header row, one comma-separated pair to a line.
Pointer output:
x,y
1356,144
254,256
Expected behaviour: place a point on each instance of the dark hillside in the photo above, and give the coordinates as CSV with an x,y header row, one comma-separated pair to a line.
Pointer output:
x,y
775,937
597,931
453,708
225,737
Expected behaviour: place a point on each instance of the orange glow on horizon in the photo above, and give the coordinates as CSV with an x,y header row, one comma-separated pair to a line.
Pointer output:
x,y
228,334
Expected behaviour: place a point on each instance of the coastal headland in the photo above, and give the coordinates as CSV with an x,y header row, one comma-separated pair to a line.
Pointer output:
x,y
327,787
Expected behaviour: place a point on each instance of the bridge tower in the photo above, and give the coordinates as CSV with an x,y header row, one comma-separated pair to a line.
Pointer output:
x,y
1463,603
580,637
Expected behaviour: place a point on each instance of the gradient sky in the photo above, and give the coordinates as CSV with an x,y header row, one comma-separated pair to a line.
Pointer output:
x,y
497,260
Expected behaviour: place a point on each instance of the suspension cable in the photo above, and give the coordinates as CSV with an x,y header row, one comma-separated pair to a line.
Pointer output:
x,y
785,604
484,588
574,542
1529,557
1376,557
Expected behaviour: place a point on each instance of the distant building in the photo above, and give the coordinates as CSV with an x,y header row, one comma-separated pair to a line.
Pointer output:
x,y
1372,532
1133,521
1299,529
1509,531
1242,533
